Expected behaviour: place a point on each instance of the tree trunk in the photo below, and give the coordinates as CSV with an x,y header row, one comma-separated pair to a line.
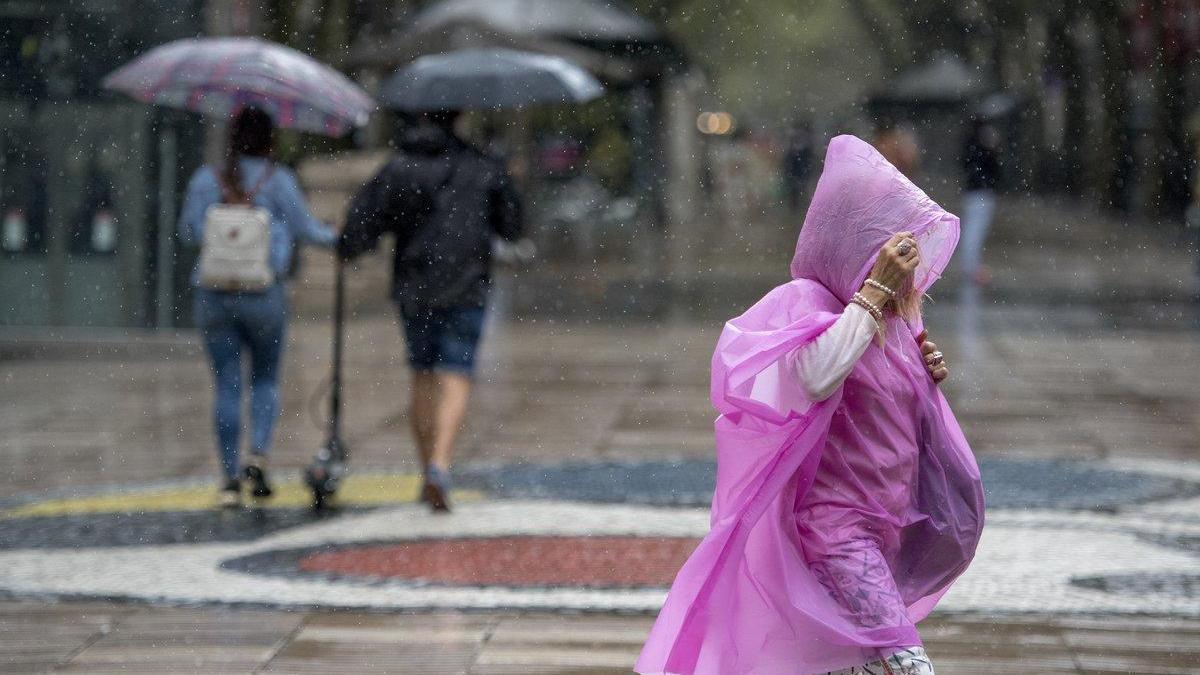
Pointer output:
x,y
1114,158
890,39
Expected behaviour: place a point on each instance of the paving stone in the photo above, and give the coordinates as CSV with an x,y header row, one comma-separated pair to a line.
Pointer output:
x,y
165,667
579,631
1110,662
168,657
1007,666
1176,644
463,630
533,669
26,666
553,655
320,656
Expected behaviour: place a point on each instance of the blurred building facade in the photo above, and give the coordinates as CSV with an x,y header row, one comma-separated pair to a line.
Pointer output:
x,y
89,180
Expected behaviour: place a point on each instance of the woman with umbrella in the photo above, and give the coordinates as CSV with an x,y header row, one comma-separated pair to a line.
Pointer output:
x,y
247,213
235,321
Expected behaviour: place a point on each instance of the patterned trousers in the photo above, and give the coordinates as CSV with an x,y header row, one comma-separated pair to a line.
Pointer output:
x,y
859,579
911,661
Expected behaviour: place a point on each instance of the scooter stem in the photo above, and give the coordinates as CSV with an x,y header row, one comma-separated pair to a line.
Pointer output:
x,y
335,396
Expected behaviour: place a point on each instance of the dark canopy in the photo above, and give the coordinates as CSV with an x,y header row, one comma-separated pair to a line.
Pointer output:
x,y
583,20
606,37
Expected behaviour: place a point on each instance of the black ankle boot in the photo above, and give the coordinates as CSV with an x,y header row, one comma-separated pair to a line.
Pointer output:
x,y
256,473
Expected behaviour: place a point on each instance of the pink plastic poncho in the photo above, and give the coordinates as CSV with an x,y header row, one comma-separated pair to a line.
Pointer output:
x,y
835,525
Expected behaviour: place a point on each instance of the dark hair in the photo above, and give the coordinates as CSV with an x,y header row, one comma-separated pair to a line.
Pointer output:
x,y
251,132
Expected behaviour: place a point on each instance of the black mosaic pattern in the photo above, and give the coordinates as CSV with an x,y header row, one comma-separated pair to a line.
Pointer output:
x,y
1008,483
1171,585
152,528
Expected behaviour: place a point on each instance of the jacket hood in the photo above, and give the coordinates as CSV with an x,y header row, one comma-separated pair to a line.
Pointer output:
x,y
428,140
861,200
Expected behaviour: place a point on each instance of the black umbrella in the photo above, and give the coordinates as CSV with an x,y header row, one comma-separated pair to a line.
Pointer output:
x,y
584,20
487,79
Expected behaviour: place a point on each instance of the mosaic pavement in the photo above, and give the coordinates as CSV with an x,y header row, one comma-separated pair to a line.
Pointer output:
x,y
1062,536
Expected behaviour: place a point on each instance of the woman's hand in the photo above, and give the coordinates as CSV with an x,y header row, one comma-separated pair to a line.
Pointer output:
x,y
935,363
897,261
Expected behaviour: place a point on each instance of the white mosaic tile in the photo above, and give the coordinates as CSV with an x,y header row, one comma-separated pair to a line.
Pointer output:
x,y
1025,562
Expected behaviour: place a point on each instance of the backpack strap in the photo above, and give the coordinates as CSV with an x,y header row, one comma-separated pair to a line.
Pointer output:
x,y
227,194
262,180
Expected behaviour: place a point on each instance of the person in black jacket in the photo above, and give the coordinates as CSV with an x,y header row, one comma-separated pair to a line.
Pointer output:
x,y
443,201
981,173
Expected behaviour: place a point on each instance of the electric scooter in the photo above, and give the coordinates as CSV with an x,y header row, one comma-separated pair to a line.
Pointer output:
x,y
329,467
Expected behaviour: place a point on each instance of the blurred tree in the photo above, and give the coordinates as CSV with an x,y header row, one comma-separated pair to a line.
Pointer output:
x,y
771,60
884,21
323,28
1112,179
1107,85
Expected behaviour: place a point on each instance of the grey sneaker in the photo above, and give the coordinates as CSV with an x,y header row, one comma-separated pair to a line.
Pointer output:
x,y
436,492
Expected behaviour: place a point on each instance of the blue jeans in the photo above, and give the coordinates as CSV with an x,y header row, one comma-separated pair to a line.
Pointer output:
x,y
233,323
978,207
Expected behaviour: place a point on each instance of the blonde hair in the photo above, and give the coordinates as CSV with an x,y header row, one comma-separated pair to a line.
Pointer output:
x,y
907,306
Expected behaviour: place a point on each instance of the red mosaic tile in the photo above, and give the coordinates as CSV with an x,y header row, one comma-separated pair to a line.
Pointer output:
x,y
588,562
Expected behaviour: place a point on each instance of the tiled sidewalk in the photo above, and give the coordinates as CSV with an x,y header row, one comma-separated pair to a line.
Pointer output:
x,y
104,638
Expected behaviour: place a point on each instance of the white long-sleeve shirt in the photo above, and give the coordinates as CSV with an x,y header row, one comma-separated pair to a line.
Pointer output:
x,y
823,364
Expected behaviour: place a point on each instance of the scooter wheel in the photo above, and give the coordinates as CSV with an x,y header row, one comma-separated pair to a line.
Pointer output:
x,y
317,478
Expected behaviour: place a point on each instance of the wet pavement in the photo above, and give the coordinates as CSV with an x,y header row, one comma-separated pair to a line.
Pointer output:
x,y
590,451
105,638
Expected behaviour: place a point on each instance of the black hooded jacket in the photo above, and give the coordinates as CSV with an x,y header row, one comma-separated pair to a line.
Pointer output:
x,y
444,201
981,163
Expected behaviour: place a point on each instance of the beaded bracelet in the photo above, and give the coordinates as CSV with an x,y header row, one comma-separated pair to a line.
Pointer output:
x,y
876,285
862,301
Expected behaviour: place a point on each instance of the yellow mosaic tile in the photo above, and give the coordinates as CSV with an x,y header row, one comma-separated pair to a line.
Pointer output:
x,y
357,490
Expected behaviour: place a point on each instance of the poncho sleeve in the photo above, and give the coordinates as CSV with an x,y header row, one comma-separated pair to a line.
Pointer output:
x,y
823,365
751,374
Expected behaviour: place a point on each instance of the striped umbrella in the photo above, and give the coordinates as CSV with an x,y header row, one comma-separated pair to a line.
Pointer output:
x,y
217,76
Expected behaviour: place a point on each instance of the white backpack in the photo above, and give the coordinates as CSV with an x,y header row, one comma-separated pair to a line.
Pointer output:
x,y
236,252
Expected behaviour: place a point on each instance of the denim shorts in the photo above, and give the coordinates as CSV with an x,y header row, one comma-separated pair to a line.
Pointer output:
x,y
442,338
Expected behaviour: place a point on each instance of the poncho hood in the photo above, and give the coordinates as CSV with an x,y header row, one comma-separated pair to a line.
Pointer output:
x,y
861,200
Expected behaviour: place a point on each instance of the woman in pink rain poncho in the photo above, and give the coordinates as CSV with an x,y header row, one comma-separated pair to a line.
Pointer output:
x,y
847,500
